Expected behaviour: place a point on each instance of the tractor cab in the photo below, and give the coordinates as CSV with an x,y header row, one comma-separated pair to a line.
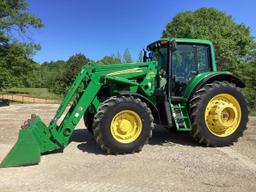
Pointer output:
x,y
179,60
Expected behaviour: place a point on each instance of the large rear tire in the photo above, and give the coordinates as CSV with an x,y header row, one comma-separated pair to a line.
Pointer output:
x,y
219,114
123,125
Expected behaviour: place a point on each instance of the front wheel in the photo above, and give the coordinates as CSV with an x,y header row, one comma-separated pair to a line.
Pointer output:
x,y
219,114
122,125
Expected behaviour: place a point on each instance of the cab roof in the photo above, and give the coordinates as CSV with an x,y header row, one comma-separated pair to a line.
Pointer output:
x,y
165,41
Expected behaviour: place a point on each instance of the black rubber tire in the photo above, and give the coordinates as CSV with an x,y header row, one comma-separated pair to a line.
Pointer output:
x,y
88,120
104,116
198,104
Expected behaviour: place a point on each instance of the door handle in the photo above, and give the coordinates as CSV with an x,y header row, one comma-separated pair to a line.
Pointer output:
x,y
194,72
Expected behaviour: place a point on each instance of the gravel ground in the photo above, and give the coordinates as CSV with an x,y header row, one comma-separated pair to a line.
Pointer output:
x,y
170,162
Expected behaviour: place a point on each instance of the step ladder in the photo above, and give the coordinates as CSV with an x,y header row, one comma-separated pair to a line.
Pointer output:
x,y
180,117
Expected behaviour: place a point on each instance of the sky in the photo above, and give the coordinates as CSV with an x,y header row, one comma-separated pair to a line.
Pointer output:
x,y
98,28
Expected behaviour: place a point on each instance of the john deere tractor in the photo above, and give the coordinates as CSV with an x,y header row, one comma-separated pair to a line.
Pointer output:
x,y
176,86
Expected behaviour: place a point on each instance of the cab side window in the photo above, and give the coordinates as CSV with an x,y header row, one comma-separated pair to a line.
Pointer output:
x,y
203,58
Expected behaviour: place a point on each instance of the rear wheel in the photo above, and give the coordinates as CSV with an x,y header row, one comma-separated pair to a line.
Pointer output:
x,y
123,125
219,114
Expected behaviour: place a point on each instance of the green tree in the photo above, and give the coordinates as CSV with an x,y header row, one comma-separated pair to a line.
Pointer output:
x,y
119,57
15,61
232,41
14,15
5,78
49,71
72,68
140,57
110,60
17,67
247,72
127,58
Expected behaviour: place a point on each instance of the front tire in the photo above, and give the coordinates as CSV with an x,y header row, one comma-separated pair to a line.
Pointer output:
x,y
122,125
219,114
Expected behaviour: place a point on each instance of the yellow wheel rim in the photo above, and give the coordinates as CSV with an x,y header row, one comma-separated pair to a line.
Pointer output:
x,y
126,126
223,115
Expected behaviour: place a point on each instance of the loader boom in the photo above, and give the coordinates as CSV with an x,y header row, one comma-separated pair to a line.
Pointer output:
x,y
82,98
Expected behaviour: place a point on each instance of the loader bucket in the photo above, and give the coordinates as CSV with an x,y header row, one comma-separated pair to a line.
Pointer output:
x,y
28,148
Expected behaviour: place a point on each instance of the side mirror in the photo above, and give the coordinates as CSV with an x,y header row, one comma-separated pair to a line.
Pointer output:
x,y
173,45
147,55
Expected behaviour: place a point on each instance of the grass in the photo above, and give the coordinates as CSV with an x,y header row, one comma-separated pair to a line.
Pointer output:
x,y
253,112
33,92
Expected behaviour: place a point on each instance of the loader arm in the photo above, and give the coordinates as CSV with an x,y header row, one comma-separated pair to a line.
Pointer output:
x,y
83,91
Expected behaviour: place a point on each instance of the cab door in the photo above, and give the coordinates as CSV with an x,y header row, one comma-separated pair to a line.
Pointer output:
x,y
188,60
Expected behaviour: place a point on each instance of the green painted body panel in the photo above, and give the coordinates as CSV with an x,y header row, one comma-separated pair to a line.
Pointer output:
x,y
196,80
83,94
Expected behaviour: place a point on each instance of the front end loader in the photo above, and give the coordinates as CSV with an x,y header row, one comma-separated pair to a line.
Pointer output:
x,y
176,86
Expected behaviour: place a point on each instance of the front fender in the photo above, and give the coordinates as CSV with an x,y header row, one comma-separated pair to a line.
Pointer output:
x,y
151,105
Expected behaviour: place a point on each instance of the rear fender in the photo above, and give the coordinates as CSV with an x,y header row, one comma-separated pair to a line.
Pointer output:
x,y
208,77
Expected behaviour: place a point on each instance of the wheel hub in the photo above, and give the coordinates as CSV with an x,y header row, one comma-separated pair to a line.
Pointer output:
x,y
222,115
126,126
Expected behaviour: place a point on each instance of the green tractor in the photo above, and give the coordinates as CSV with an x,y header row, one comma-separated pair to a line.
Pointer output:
x,y
176,86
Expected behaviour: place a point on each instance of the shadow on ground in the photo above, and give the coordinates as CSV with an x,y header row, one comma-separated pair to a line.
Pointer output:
x,y
86,140
161,136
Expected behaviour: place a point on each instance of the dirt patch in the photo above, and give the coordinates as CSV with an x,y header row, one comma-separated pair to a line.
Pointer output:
x,y
170,162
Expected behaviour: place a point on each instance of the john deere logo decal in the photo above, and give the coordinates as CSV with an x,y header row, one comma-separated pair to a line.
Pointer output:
x,y
137,70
